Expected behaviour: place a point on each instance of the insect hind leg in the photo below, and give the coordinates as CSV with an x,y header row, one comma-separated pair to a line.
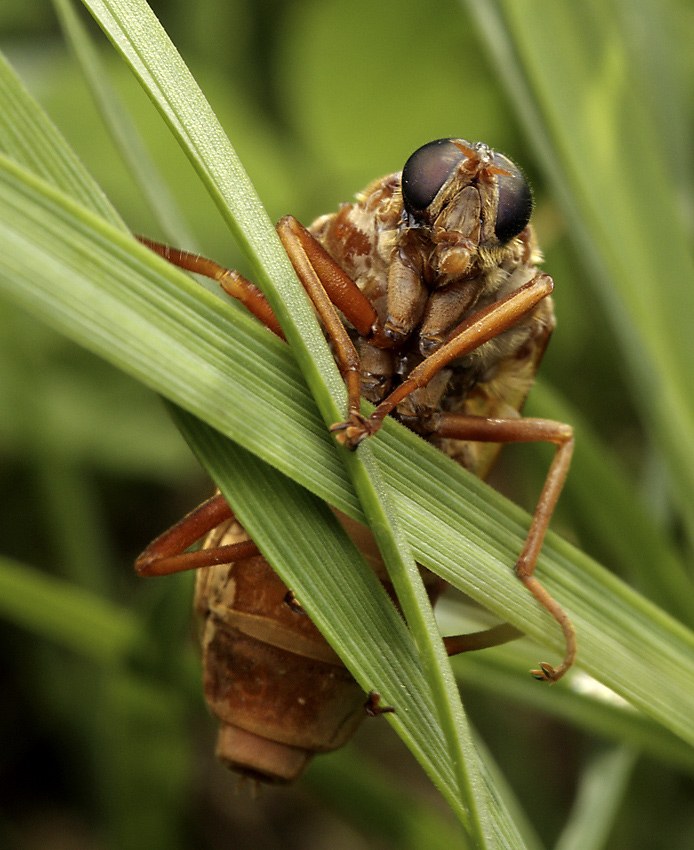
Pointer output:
x,y
459,426
167,554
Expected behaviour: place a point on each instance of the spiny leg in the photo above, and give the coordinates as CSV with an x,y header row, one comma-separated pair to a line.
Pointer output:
x,y
167,555
527,430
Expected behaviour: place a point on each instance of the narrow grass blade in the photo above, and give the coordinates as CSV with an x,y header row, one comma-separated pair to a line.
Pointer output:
x,y
135,31
600,793
576,86
148,318
29,137
132,148
67,615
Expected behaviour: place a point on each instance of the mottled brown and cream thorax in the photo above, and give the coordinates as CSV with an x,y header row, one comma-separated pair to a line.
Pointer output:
x,y
430,246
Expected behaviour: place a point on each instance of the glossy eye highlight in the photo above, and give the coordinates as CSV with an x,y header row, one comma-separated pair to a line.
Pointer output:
x,y
426,171
515,199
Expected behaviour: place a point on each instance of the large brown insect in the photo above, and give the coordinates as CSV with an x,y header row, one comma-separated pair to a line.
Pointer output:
x,y
428,291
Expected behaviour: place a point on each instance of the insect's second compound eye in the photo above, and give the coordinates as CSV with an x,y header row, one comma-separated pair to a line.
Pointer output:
x,y
426,171
515,200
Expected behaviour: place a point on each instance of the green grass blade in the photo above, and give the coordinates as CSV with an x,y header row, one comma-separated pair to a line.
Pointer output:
x,y
138,36
575,83
404,573
28,136
133,150
152,321
600,794
70,616
154,60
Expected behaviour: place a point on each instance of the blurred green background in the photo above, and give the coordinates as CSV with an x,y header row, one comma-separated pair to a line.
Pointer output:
x,y
319,98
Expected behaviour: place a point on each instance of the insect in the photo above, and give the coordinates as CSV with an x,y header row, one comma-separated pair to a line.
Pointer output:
x,y
429,294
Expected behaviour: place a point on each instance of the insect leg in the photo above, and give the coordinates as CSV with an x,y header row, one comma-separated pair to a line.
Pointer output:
x,y
479,328
341,290
495,636
326,284
232,282
167,554
373,706
330,289
527,430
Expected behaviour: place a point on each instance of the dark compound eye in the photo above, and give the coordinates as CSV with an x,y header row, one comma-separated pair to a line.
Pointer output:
x,y
515,199
426,171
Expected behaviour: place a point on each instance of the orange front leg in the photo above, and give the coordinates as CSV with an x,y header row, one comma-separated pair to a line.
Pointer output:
x,y
327,285
473,332
232,282
329,288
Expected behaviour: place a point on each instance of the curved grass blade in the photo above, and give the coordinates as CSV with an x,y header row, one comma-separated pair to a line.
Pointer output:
x,y
133,150
576,86
135,31
151,320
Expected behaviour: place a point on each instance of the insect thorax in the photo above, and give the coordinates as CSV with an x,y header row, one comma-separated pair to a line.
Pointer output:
x,y
369,237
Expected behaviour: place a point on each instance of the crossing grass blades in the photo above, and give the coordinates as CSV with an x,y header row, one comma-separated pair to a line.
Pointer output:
x,y
428,291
